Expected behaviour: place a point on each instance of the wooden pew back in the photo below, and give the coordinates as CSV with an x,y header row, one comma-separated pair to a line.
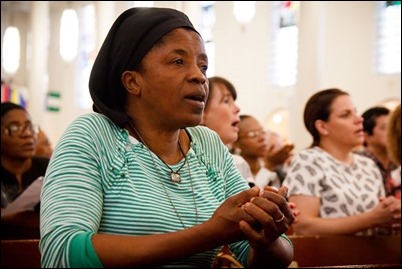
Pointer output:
x,y
314,251
21,253
309,251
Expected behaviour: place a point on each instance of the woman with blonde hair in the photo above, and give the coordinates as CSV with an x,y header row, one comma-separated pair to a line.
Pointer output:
x,y
394,149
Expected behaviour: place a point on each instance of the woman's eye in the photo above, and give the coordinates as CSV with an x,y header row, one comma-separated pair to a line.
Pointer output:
x,y
180,61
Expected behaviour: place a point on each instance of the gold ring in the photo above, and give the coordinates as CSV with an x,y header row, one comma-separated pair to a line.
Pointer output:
x,y
279,220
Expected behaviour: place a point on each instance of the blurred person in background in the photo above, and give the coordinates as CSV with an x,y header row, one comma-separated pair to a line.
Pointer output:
x,y
279,154
21,173
221,114
375,122
43,146
337,190
262,154
394,150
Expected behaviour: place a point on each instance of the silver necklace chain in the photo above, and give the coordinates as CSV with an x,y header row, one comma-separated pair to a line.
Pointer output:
x,y
174,175
160,181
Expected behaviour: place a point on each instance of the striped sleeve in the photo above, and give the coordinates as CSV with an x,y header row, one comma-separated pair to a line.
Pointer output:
x,y
71,197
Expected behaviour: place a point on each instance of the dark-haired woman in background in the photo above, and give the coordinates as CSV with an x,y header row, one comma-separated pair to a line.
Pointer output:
x,y
375,121
336,190
19,170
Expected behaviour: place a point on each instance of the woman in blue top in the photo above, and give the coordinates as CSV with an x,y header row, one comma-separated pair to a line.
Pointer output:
x,y
138,183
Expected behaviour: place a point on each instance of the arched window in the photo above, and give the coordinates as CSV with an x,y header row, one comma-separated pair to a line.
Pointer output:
x,y
207,23
283,68
388,45
87,47
11,50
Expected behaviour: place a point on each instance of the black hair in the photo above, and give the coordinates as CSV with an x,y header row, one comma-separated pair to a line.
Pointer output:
x,y
131,37
370,118
7,106
318,107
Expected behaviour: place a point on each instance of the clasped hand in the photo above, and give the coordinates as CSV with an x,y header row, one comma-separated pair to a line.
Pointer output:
x,y
389,212
259,216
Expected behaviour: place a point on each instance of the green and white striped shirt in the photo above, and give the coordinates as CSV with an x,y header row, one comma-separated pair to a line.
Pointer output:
x,y
101,180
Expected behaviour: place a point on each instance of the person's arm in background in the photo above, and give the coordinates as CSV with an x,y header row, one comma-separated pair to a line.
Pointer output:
x,y
309,222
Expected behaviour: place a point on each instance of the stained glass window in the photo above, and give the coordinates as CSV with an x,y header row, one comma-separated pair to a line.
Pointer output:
x,y
283,68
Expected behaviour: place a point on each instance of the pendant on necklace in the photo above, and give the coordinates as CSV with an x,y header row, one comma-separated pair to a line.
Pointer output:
x,y
175,177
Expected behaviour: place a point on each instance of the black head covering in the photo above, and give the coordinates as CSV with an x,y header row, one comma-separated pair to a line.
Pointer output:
x,y
7,106
132,35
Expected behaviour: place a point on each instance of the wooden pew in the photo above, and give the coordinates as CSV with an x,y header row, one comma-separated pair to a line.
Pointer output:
x,y
21,253
22,225
342,250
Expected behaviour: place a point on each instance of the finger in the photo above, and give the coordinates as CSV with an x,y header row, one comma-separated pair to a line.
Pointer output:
x,y
268,214
271,148
295,210
283,190
289,147
251,234
245,196
276,197
390,199
264,209
292,205
262,215
387,203
270,188
280,212
395,208
279,201
288,207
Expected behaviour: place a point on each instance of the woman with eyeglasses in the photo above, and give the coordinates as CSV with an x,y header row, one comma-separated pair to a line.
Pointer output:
x,y
252,144
20,170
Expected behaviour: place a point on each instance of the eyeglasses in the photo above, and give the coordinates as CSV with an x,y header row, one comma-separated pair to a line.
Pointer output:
x,y
14,129
252,134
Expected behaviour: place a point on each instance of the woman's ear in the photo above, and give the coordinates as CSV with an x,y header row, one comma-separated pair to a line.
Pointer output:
x,y
321,127
130,82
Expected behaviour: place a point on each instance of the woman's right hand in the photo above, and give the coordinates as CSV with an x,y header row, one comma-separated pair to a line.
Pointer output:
x,y
228,215
275,157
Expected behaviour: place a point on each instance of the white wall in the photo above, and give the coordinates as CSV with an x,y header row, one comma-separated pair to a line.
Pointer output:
x,y
336,50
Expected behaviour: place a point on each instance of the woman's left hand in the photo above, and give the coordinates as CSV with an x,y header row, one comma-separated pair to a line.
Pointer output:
x,y
271,210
